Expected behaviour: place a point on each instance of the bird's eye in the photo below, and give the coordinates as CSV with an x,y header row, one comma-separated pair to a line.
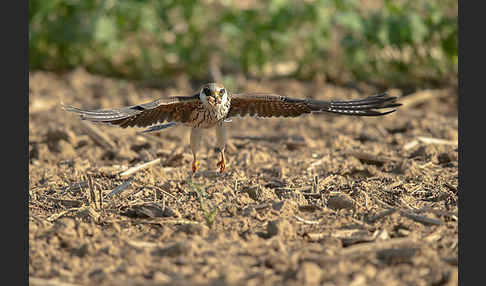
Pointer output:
x,y
222,91
206,91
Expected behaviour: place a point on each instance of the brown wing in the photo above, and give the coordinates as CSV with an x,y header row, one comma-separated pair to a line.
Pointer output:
x,y
175,109
269,105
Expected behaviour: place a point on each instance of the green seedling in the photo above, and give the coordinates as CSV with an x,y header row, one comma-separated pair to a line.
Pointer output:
x,y
209,216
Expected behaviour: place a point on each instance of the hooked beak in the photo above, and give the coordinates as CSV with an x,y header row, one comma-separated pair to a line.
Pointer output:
x,y
213,99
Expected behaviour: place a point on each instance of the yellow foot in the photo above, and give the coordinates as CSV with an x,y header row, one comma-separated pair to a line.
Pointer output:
x,y
222,165
195,165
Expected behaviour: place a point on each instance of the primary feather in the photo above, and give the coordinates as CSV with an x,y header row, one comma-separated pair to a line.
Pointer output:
x,y
273,105
175,109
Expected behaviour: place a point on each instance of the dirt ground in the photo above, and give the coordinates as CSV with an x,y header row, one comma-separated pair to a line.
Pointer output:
x,y
320,199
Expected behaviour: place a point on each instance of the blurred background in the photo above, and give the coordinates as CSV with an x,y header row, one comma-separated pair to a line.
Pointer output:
x,y
388,44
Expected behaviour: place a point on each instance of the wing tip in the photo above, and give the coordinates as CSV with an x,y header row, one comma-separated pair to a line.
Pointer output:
x,y
70,108
387,112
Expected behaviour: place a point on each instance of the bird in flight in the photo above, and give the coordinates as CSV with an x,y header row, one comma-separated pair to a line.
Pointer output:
x,y
214,105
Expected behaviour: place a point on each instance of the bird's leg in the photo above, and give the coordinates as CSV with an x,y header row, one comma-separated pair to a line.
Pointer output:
x,y
221,144
196,134
195,164
222,164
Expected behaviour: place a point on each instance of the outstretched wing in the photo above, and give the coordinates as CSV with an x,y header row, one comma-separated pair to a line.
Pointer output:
x,y
175,109
274,105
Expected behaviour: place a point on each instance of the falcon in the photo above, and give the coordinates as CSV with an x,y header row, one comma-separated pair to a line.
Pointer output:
x,y
214,105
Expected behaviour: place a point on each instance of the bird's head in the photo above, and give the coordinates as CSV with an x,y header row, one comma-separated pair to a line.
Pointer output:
x,y
213,94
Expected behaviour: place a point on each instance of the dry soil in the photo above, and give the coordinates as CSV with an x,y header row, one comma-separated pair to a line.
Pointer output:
x,y
320,199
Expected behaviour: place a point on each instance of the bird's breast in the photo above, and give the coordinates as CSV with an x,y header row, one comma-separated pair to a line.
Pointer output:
x,y
224,108
208,116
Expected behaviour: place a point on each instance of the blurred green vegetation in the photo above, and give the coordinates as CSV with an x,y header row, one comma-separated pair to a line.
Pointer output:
x,y
391,43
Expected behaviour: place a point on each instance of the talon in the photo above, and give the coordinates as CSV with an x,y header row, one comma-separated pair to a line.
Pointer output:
x,y
222,165
195,165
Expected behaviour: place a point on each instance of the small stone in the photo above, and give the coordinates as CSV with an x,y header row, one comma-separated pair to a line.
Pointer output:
x,y
341,201
285,206
161,277
309,273
82,251
249,211
170,212
193,229
444,158
66,149
174,250
403,232
278,205
272,228
358,280
54,136
233,274
279,227
420,152
66,227
254,192
396,255
277,262
97,274
381,234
